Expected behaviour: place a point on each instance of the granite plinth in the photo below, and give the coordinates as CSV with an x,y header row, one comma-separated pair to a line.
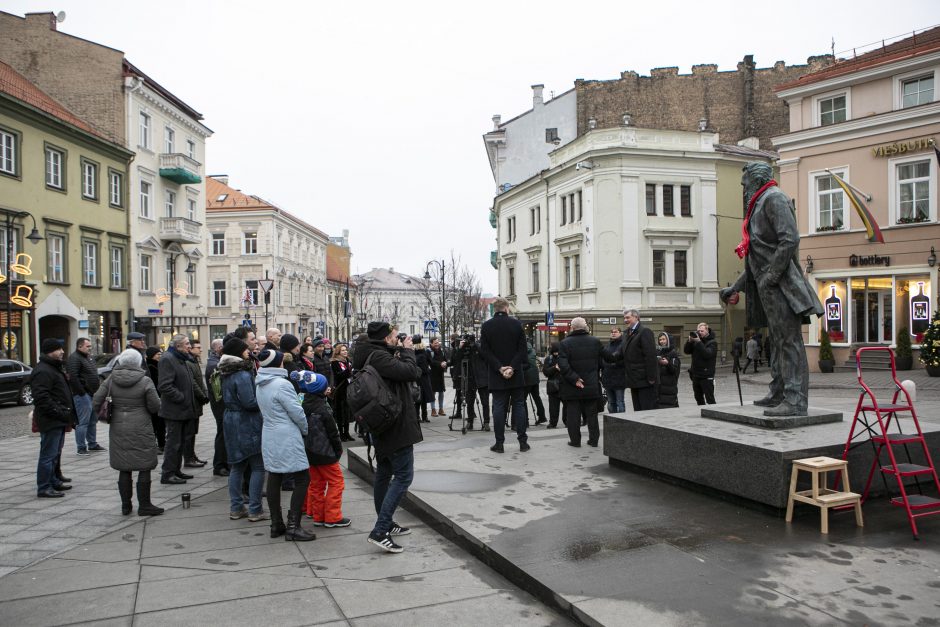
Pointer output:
x,y
734,458
754,415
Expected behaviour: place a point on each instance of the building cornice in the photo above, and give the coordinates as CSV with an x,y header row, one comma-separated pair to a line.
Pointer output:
x,y
137,87
899,120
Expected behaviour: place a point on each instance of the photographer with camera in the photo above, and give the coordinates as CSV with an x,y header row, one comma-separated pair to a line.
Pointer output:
x,y
465,379
552,372
703,347
532,383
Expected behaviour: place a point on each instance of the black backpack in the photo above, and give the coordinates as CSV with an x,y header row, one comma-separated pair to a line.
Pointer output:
x,y
373,406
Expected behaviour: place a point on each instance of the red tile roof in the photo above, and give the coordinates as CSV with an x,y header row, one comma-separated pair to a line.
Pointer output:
x,y
916,45
15,84
240,201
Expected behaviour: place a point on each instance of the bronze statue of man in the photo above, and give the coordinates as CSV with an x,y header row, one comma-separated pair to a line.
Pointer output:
x,y
777,295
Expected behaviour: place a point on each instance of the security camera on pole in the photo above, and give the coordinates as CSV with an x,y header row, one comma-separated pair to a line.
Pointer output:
x,y
266,286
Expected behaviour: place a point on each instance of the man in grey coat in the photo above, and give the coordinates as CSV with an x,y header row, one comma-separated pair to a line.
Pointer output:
x,y
176,406
778,296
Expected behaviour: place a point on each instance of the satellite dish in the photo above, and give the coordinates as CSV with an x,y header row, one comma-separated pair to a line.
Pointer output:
x,y
60,17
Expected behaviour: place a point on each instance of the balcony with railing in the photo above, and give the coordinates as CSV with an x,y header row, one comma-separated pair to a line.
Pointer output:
x,y
182,230
180,168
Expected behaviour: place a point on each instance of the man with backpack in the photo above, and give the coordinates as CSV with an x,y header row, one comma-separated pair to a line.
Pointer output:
x,y
214,385
379,397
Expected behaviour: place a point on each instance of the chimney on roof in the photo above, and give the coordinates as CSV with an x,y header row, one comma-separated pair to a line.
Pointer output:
x,y
496,120
537,95
221,178
46,17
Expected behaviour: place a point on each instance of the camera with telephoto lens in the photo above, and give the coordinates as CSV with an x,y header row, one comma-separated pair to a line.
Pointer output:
x,y
402,337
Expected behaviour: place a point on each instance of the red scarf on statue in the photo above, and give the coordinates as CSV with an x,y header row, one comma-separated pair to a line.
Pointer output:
x,y
742,248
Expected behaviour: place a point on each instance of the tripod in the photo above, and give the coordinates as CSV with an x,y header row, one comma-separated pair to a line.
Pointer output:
x,y
460,399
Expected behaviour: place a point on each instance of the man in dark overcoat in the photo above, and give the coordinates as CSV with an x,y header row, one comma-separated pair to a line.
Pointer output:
x,y
777,294
502,343
176,406
640,361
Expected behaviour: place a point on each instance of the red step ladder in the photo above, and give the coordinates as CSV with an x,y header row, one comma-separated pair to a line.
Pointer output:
x,y
882,423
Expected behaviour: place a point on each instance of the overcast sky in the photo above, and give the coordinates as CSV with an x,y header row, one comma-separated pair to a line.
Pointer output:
x,y
368,116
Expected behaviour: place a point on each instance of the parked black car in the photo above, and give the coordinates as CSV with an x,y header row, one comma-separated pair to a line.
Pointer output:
x,y
14,382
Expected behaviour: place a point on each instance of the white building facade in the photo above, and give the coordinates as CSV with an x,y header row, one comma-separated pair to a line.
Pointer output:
x,y
167,201
400,299
622,217
248,241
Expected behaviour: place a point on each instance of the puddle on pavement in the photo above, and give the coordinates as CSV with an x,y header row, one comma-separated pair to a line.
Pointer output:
x,y
452,481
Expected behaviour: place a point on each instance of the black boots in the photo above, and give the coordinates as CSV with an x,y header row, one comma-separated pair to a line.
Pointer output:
x,y
144,506
277,523
295,532
126,490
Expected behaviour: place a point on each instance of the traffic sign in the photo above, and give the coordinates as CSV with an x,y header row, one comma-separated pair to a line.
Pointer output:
x,y
430,326
266,284
549,318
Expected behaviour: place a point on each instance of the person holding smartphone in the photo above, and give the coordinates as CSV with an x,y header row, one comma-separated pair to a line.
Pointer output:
x,y
703,347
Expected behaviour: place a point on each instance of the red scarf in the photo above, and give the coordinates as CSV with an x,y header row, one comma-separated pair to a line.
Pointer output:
x,y
742,248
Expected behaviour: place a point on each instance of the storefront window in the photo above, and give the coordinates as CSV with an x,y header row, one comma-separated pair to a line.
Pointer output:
x,y
832,293
914,305
872,310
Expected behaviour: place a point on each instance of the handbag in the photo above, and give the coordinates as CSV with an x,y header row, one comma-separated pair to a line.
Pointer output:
x,y
105,409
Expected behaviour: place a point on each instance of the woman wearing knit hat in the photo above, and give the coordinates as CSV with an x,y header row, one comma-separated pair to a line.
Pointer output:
x,y
282,444
242,425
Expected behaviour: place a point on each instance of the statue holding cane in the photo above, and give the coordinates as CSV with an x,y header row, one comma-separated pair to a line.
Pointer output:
x,y
777,295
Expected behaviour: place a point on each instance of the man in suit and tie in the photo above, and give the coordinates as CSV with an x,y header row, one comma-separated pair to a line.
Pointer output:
x,y
503,346
638,354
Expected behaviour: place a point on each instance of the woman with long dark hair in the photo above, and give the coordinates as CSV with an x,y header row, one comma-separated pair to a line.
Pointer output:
x,y
342,370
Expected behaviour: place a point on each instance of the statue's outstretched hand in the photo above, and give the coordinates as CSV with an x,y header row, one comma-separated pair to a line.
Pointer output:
x,y
728,295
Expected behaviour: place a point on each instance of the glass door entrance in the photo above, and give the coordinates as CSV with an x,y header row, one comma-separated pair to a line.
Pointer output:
x,y
872,310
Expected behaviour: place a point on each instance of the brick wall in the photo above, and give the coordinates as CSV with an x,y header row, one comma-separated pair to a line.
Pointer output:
x,y
85,77
738,104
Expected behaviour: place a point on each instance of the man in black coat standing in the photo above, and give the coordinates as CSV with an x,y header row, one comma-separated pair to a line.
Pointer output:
x,y
703,347
53,412
580,358
220,457
502,343
176,406
641,367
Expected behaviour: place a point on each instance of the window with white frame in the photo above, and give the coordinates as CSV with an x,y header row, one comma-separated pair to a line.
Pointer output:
x,y
534,283
8,152
510,229
680,268
218,244
913,191
659,268
117,267
191,209
169,273
535,219
251,288
3,249
89,180
191,149
832,110
89,263
512,280
143,139
115,189
146,263
55,245
219,294
251,243
916,91
146,191
169,203
830,204
650,199
685,201
54,165
572,269
191,278
169,140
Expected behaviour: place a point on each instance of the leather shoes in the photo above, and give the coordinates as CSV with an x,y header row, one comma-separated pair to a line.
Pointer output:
x,y
768,401
497,448
222,472
62,487
573,444
62,479
592,443
183,475
50,494
194,464
524,447
172,479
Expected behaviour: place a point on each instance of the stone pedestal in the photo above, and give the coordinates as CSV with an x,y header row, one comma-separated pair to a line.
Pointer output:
x,y
754,415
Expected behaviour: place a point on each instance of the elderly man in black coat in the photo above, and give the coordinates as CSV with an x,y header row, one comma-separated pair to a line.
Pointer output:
x,y
53,412
580,358
502,344
176,406
639,356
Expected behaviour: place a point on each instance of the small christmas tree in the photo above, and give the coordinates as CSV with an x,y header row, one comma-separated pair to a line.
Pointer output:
x,y
825,347
930,345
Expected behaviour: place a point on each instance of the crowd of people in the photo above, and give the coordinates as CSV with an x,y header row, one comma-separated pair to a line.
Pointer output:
x,y
283,407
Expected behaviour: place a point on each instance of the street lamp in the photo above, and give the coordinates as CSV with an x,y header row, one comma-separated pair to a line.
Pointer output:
x,y
21,269
427,277
190,269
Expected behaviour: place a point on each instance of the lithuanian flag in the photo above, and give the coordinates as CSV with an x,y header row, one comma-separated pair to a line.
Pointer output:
x,y
871,227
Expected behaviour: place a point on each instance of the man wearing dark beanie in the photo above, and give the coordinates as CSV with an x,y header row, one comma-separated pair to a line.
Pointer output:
x,y
53,412
395,362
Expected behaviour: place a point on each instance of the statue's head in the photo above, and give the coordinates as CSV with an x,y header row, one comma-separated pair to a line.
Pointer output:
x,y
756,174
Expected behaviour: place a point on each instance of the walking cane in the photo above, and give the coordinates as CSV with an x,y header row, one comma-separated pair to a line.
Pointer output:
x,y
737,376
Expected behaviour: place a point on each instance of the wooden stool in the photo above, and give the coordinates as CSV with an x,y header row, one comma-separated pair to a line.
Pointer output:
x,y
821,496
